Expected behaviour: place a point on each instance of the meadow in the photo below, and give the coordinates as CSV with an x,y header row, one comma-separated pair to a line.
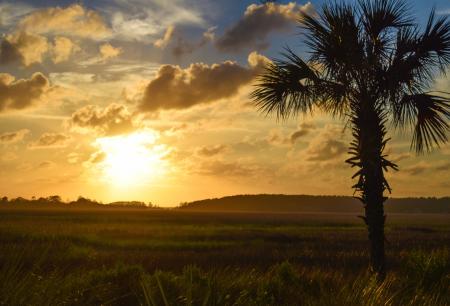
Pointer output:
x,y
132,256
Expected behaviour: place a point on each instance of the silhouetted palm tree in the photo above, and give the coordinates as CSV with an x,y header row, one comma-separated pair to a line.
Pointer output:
x,y
371,65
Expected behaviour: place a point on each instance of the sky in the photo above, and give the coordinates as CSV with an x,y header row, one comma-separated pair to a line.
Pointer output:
x,y
149,100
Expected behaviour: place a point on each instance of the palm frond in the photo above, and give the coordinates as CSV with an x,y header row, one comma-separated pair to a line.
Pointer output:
x,y
378,16
416,58
434,43
286,87
428,115
333,39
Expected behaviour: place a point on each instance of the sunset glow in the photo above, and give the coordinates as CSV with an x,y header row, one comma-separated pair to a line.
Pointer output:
x,y
131,159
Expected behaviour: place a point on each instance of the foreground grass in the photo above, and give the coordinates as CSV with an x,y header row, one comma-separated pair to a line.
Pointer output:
x,y
424,282
115,257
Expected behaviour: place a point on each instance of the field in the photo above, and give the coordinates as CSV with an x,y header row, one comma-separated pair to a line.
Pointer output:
x,y
60,256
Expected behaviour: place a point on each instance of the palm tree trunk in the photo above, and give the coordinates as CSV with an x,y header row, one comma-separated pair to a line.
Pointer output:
x,y
369,136
375,218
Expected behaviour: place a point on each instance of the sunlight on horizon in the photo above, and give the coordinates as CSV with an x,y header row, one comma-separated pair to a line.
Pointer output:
x,y
131,160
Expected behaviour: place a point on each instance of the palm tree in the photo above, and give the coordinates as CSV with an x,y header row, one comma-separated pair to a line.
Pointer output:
x,y
371,65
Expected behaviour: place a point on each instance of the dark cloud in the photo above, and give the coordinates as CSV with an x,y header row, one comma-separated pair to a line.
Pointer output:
x,y
327,145
399,157
329,149
303,130
20,94
31,47
9,53
298,134
183,47
28,49
50,140
417,168
278,138
112,120
177,88
212,151
444,167
46,165
258,22
13,137
227,169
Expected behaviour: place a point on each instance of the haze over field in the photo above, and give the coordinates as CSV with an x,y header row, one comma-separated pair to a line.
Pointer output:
x,y
149,100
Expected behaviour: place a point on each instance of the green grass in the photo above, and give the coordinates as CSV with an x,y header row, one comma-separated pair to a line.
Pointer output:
x,y
135,257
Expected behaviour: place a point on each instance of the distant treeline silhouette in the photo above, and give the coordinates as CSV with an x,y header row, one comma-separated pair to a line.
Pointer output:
x,y
251,203
81,202
309,203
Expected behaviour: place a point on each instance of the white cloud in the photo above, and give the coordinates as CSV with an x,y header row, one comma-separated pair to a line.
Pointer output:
x,y
163,41
151,20
63,48
107,51
74,20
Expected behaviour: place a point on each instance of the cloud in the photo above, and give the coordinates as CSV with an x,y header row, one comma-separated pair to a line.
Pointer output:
x,y
298,134
422,167
25,47
164,41
303,130
277,138
443,12
443,167
326,145
399,157
327,150
183,47
10,13
13,137
212,151
95,158
9,53
73,158
227,169
107,51
74,20
177,88
151,20
29,48
418,168
112,120
50,140
46,164
22,93
8,156
63,48
258,22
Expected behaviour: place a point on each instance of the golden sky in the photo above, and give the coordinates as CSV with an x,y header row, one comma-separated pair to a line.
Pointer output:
x,y
148,100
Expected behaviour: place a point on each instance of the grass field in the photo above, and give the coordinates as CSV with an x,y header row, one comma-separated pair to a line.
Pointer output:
x,y
169,257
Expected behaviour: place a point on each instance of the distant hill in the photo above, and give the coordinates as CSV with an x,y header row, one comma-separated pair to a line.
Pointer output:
x,y
308,203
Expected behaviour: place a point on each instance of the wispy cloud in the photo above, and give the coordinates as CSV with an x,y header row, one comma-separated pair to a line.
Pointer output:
x,y
443,12
10,13
139,20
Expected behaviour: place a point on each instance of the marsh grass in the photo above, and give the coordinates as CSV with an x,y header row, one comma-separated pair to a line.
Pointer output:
x,y
102,258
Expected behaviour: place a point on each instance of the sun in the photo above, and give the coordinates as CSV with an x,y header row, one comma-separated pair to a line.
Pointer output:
x,y
132,159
